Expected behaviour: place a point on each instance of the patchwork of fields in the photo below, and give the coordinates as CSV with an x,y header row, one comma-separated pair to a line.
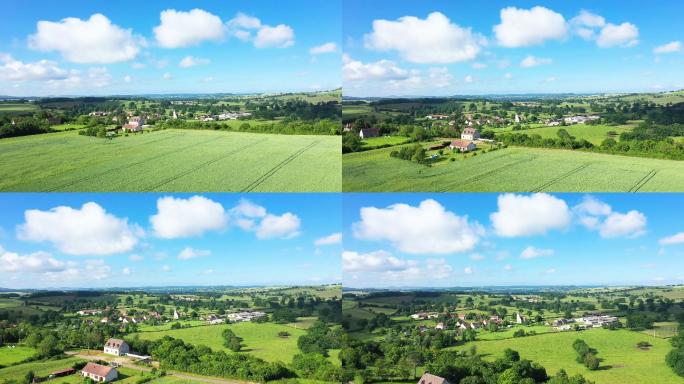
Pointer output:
x,y
171,160
622,361
513,170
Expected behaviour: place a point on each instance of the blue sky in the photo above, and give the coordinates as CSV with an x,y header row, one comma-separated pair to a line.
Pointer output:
x,y
446,240
481,47
51,47
123,239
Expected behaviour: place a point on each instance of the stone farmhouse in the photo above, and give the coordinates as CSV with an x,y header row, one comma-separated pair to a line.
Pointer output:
x,y
99,373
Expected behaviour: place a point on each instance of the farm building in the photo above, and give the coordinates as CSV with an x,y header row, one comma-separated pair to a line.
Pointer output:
x,y
462,145
437,117
89,312
369,132
134,124
470,134
62,373
99,373
429,378
245,316
519,318
116,347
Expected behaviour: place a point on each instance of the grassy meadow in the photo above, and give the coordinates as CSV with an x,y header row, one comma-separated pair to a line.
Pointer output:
x,y
171,160
13,354
512,170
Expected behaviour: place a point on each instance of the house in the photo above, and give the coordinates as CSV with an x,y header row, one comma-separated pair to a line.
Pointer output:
x,y
437,117
440,326
519,318
99,373
176,315
347,127
369,132
116,347
429,378
462,145
89,312
134,124
470,134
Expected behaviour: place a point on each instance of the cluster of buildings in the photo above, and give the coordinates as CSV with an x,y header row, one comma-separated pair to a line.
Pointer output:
x,y
467,142
224,116
462,323
593,320
571,120
245,316
135,124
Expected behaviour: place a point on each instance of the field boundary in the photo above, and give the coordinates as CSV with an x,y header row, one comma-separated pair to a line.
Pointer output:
x,y
561,177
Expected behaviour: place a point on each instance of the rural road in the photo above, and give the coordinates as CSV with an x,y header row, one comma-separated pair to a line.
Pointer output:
x,y
124,362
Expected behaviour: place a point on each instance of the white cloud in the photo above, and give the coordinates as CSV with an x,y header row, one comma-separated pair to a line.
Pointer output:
x,y
671,47
242,20
127,79
190,253
95,40
126,271
324,48
15,70
96,269
527,215
353,70
468,270
178,217
440,77
32,263
248,209
597,215
624,35
86,231
135,258
550,271
280,36
428,228
378,261
508,267
588,19
434,39
550,79
671,240
479,65
190,61
508,75
333,239
531,61
476,257
183,29
167,76
468,79
533,252
138,65
526,27
166,268
285,226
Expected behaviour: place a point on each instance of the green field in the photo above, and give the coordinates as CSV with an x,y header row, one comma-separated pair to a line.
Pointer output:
x,y
17,107
171,160
375,142
40,368
513,170
12,355
260,340
592,133
623,362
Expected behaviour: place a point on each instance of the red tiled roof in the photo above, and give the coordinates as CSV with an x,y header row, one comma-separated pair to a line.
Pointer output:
x,y
460,143
97,369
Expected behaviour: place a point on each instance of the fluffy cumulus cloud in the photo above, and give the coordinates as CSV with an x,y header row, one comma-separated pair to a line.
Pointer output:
x,y
17,71
674,239
527,215
329,47
32,263
188,253
585,24
191,61
255,218
95,40
333,239
534,252
527,27
424,229
599,216
183,29
623,35
377,261
354,70
178,217
249,28
89,230
671,47
532,61
434,39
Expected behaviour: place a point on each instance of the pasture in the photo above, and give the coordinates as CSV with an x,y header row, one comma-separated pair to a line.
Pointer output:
x,y
512,169
595,134
40,368
622,361
171,160
10,354
260,340
18,107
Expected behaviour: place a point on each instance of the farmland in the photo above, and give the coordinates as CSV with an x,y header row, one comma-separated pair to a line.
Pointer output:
x,y
13,354
513,169
171,160
260,340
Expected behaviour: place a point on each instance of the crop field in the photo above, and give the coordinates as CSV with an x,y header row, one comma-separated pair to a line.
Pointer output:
x,y
260,340
171,160
375,142
513,170
595,134
622,361
14,354
17,107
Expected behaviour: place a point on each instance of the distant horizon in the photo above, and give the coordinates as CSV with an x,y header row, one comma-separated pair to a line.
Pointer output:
x,y
142,287
512,94
275,93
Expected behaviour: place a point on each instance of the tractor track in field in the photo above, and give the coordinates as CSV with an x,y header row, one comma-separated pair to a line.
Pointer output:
x,y
643,181
155,157
251,186
561,177
206,163
489,173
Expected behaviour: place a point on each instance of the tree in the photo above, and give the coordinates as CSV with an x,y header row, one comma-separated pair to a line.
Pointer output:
x,y
511,355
